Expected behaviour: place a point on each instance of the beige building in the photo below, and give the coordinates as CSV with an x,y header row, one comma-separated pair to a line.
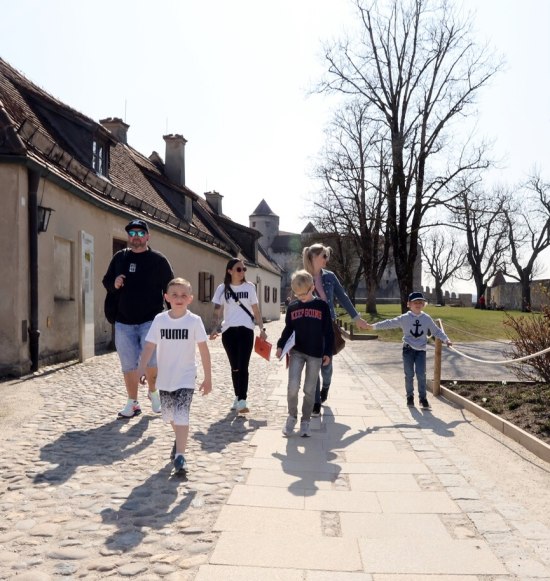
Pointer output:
x,y
69,186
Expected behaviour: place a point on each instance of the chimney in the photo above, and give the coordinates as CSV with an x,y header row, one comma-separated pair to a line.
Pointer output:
x,y
214,200
174,164
117,127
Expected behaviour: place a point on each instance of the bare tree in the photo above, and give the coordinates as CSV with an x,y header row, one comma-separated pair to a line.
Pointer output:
x,y
417,69
353,198
444,256
528,226
480,215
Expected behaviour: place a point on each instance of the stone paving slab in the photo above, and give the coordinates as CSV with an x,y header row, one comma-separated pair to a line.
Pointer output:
x,y
385,526
429,556
253,519
291,550
383,482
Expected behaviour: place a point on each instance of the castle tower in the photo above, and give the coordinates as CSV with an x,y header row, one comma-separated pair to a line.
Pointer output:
x,y
266,222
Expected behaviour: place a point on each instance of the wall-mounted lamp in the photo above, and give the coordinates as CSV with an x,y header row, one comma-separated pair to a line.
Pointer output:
x,y
44,215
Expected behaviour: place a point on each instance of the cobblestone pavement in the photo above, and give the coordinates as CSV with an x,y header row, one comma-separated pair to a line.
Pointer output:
x,y
83,495
86,496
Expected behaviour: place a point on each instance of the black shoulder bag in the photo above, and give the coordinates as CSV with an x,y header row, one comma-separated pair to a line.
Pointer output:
x,y
110,306
236,298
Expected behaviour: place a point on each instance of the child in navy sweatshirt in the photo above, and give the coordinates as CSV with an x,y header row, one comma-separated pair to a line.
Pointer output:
x,y
309,326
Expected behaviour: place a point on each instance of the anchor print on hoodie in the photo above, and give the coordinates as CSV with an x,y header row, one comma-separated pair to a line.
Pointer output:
x,y
416,329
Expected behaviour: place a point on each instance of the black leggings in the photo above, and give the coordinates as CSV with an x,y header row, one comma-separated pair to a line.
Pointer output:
x,y
238,343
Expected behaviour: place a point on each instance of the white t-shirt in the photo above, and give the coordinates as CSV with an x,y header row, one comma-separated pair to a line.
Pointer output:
x,y
233,314
176,341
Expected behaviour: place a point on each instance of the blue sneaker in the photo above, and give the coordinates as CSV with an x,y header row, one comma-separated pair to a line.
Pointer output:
x,y
180,465
242,406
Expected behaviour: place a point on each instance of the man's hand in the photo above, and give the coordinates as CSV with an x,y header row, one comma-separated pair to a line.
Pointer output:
x,y
326,360
119,281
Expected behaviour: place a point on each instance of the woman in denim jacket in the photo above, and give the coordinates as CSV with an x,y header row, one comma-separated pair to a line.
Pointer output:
x,y
327,287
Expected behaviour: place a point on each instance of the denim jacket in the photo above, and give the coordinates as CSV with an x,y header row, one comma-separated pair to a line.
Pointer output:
x,y
333,289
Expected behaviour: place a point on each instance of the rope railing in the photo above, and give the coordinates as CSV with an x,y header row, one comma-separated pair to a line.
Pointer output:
x,y
492,362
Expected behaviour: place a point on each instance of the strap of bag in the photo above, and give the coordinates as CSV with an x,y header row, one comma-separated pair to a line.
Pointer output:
x,y
236,298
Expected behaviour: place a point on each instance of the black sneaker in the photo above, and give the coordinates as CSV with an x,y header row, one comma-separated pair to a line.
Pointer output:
x,y
424,403
324,394
180,465
410,400
316,410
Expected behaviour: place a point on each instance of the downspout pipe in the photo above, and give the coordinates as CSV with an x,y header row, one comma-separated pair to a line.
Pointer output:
x,y
34,332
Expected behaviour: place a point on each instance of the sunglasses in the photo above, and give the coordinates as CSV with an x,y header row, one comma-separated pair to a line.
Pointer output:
x,y
138,233
239,269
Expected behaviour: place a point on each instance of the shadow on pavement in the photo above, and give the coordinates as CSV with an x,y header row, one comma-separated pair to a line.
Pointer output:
x,y
97,446
151,506
300,450
228,430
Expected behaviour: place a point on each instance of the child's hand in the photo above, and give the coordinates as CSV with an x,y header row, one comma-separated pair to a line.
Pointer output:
x,y
362,324
142,378
449,343
278,353
206,387
326,360
213,335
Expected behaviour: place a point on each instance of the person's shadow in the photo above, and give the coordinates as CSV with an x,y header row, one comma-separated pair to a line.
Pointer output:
x,y
149,506
95,447
228,430
425,419
311,463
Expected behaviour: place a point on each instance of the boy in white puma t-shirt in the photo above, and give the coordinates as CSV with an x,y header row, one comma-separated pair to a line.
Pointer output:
x,y
176,334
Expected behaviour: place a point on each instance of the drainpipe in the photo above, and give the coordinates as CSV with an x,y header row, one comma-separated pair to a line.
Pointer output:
x,y
34,332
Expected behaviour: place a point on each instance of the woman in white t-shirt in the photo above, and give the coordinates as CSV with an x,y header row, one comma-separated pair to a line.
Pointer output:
x,y
237,301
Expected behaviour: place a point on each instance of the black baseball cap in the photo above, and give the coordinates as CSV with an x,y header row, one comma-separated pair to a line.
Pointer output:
x,y
417,297
137,224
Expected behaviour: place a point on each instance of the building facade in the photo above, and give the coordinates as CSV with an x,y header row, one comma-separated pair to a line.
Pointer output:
x,y
69,186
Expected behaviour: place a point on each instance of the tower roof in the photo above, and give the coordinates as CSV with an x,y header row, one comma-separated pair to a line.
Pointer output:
x,y
263,210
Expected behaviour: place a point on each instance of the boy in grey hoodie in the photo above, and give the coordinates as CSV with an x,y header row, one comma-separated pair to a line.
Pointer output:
x,y
415,324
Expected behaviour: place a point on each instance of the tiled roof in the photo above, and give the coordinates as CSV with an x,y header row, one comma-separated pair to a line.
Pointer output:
x,y
37,124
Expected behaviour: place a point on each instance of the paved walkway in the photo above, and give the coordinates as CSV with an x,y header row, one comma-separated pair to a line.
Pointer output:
x,y
379,492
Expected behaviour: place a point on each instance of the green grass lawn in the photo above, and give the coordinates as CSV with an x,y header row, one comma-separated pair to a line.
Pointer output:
x,y
462,324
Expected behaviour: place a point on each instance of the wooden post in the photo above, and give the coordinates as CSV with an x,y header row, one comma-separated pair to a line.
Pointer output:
x,y
436,389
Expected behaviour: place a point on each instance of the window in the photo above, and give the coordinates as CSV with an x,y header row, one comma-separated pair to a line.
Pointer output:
x,y
99,157
266,294
63,268
274,294
206,287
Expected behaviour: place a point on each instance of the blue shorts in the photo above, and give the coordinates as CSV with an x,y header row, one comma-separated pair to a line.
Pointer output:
x,y
129,343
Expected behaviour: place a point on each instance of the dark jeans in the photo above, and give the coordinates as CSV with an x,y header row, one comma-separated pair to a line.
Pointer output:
x,y
238,343
414,362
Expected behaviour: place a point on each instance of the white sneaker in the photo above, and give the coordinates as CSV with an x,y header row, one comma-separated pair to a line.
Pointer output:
x,y
154,398
304,429
131,409
242,406
235,403
289,425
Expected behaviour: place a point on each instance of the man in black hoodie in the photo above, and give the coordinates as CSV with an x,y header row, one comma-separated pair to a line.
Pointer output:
x,y
139,276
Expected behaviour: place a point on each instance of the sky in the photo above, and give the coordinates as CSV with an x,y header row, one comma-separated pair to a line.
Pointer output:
x,y
236,79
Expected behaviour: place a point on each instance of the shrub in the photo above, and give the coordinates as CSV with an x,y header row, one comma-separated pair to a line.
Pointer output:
x,y
530,334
